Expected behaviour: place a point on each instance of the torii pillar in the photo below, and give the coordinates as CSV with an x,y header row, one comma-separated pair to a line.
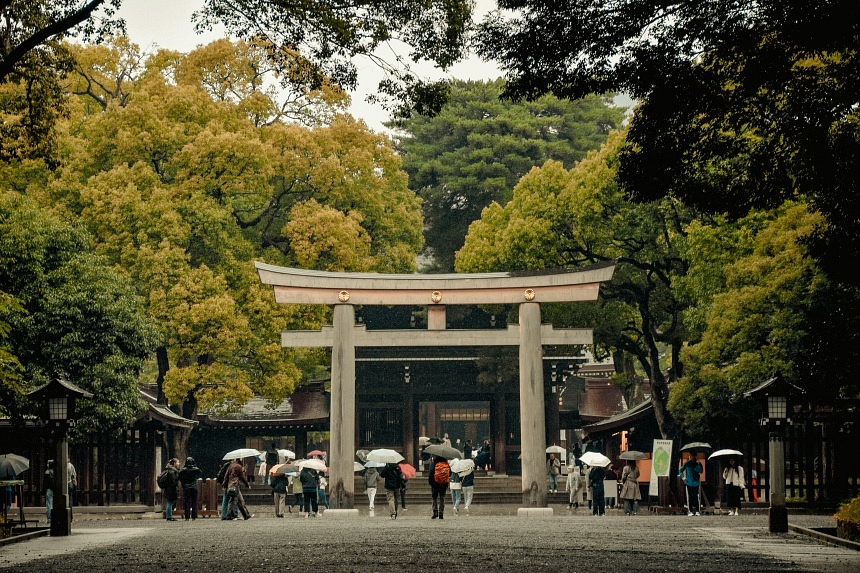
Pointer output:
x,y
346,290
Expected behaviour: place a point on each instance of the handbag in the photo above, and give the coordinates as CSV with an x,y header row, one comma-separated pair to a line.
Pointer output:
x,y
456,485
232,490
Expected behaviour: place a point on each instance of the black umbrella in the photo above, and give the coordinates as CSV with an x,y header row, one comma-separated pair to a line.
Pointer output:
x,y
632,455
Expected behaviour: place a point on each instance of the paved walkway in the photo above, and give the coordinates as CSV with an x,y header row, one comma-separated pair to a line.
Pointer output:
x,y
491,539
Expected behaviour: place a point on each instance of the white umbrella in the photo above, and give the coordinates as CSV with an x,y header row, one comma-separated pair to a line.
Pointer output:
x,y
423,441
357,467
314,464
373,464
385,456
555,450
462,467
594,459
287,454
241,453
361,455
719,453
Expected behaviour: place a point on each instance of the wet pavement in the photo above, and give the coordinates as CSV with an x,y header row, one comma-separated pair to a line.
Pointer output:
x,y
492,538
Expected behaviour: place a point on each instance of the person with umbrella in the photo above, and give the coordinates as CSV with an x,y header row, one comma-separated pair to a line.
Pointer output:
x,y
371,478
690,472
279,482
630,493
733,475
440,475
233,481
310,479
574,486
468,482
298,493
553,469
392,475
595,479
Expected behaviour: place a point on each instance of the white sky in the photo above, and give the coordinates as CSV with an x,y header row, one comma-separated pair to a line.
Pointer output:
x,y
167,24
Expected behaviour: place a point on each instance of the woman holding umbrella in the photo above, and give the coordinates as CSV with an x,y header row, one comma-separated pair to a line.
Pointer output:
x,y
630,493
733,475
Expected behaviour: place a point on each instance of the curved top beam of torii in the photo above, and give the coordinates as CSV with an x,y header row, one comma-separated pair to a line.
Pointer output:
x,y
300,286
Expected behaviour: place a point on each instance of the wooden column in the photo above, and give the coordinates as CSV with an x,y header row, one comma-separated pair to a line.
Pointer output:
x,y
342,408
532,422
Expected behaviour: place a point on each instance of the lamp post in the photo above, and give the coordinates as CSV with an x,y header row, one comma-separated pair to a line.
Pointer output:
x,y
58,410
774,394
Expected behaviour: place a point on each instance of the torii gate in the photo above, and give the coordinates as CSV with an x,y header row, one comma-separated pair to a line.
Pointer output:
x,y
346,290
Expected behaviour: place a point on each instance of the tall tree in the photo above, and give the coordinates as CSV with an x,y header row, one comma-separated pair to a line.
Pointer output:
x,y
745,104
476,149
79,317
561,219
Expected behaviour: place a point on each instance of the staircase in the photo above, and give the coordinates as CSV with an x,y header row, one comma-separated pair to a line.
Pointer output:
x,y
493,489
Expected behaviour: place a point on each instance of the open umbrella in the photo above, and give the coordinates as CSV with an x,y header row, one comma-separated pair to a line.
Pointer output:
x,y
357,467
314,464
719,453
361,455
283,469
463,467
408,470
241,453
315,453
696,446
594,459
373,464
287,454
447,452
555,450
11,465
423,441
632,455
385,456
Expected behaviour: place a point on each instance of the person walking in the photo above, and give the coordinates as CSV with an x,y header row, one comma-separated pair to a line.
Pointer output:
x,y
456,486
321,495
371,478
553,469
468,482
280,483
403,482
595,480
630,493
220,478
234,480
690,472
310,489
574,486
733,476
188,480
170,487
72,475
610,487
49,484
467,450
440,474
298,494
392,476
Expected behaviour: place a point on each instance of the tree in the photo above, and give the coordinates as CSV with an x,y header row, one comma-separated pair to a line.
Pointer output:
x,y
476,149
79,317
743,104
756,324
183,189
12,384
561,219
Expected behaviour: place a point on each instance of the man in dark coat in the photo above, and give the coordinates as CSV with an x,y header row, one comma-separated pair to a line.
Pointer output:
x,y
188,479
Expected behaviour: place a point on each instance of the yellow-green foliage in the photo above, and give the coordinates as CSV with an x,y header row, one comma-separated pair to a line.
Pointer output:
x,y
848,520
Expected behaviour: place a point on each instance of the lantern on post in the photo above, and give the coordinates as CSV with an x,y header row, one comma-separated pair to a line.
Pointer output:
x,y
57,399
774,394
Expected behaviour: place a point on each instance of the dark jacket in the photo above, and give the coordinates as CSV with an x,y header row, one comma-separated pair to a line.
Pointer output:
x,y
280,484
432,475
271,458
391,473
596,477
236,475
171,491
310,479
189,475
468,480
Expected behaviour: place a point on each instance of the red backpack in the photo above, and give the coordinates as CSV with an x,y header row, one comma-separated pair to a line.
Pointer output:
x,y
442,473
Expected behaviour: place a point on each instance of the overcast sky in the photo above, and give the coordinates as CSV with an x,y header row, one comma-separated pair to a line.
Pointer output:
x,y
167,24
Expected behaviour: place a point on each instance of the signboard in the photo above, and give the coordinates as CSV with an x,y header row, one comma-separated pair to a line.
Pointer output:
x,y
661,455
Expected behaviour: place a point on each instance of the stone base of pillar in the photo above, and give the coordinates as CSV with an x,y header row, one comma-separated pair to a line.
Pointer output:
x,y
778,519
534,512
340,513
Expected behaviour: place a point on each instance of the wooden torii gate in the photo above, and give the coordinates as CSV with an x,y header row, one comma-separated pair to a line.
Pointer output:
x,y
346,290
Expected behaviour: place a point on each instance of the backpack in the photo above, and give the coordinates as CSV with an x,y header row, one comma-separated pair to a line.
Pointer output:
x,y
442,473
164,479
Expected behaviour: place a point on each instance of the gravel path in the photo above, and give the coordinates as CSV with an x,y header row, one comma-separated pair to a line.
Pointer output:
x,y
491,539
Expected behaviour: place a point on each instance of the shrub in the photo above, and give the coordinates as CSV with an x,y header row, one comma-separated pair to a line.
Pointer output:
x,y
848,520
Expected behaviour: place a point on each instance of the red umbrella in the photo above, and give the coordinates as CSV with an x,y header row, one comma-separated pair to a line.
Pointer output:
x,y
407,470
315,453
